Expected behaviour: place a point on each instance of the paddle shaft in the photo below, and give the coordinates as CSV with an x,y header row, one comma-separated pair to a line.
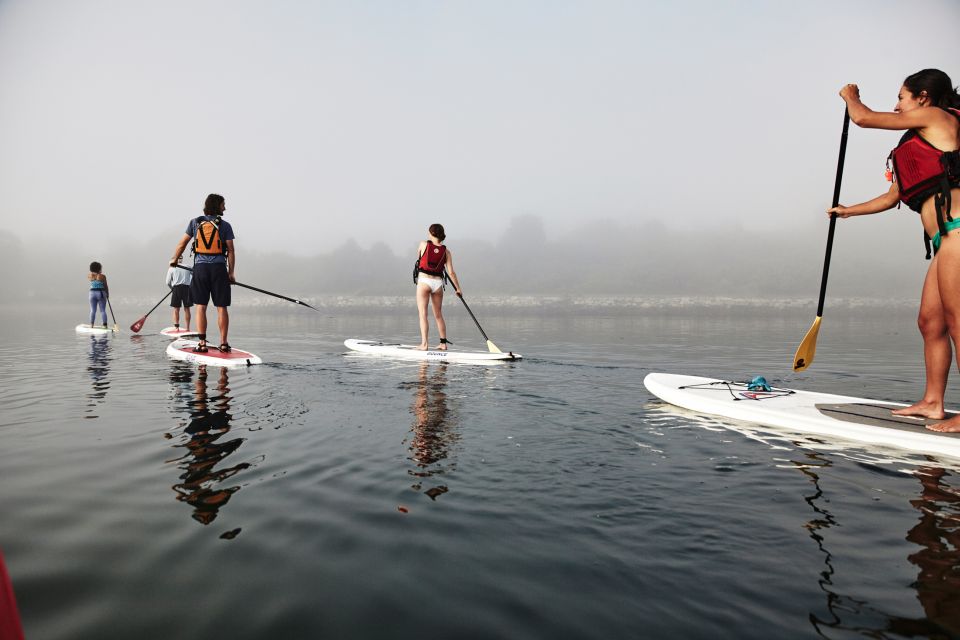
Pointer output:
x,y
136,326
111,312
833,217
269,293
158,304
467,307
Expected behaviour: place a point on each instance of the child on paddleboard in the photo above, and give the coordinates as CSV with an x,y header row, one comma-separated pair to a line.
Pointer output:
x,y
179,281
924,170
99,292
434,264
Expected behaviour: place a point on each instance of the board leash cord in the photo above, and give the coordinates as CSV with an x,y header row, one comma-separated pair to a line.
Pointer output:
x,y
742,394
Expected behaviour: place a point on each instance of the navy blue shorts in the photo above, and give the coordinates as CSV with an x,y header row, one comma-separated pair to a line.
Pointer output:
x,y
210,280
181,296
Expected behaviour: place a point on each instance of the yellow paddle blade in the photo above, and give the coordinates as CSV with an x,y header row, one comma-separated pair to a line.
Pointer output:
x,y
805,352
492,347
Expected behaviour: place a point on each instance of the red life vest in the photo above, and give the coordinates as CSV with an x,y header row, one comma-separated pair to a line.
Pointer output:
x,y
433,260
919,168
921,171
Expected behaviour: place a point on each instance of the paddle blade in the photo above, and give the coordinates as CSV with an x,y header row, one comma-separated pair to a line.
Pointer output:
x,y
805,352
136,326
492,347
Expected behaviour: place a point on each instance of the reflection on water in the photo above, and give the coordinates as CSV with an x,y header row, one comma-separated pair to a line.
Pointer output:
x,y
99,368
434,429
205,444
938,535
937,584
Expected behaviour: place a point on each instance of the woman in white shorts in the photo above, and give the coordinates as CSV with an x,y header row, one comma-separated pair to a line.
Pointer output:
x,y
434,263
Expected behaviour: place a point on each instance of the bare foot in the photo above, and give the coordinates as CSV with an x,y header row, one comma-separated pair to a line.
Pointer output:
x,y
440,347
423,347
947,426
922,409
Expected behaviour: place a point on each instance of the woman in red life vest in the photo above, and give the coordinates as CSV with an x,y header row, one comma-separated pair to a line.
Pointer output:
x,y
925,177
433,260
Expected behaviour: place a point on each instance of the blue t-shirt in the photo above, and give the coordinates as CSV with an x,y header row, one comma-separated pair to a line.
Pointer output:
x,y
226,233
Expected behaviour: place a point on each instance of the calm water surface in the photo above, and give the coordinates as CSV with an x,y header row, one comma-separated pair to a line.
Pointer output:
x,y
325,495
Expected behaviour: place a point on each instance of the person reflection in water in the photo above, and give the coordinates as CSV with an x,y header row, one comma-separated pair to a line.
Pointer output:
x,y
433,432
205,450
938,533
937,586
99,369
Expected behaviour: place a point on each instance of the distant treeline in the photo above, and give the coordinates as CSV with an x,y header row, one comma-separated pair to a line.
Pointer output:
x,y
602,258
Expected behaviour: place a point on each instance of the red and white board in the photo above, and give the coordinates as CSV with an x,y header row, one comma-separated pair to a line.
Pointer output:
x,y
183,349
178,332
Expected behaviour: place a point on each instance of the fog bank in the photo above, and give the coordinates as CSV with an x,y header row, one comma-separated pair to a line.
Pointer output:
x,y
877,258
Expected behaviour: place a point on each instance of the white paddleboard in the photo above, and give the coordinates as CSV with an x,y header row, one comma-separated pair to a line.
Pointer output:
x,y
96,329
411,352
823,414
175,332
183,349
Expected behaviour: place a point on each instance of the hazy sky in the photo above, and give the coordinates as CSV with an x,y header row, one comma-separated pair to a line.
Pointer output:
x,y
323,121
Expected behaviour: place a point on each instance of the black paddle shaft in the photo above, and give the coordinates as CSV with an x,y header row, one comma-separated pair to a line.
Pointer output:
x,y
158,304
467,307
833,217
269,293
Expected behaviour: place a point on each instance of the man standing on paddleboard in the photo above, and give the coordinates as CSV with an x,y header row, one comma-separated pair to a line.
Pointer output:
x,y
213,268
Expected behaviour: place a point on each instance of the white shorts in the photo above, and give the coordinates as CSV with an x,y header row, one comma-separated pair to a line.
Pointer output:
x,y
433,282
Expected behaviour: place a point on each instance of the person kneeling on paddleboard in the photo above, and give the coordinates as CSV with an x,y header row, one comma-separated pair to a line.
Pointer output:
x,y
99,292
925,173
434,264
213,268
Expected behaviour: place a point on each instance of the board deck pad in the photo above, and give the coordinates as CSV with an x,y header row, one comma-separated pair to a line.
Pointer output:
x,y
878,415
183,349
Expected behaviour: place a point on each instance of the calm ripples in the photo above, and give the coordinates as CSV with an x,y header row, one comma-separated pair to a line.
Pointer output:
x,y
326,495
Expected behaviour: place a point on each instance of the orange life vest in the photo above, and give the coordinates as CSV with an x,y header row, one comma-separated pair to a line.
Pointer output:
x,y
206,240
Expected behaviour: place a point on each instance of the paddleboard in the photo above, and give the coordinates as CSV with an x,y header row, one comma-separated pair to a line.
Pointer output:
x,y
96,329
174,332
823,414
183,349
411,352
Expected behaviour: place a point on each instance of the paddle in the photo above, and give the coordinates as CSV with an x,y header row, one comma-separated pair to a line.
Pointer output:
x,y
115,327
136,326
269,293
492,347
805,352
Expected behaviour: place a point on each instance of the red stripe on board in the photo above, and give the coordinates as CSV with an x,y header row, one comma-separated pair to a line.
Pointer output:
x,y
213,352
